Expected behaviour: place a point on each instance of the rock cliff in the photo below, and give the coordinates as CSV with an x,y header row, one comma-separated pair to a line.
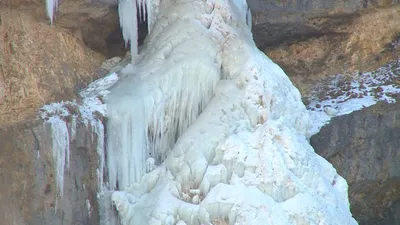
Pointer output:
x,y
364,147
28,192
39,64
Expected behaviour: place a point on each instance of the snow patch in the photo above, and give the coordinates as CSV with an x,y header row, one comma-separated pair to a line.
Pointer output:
x,y
343,95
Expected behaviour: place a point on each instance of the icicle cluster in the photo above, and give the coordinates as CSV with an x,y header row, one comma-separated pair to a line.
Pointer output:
x,y
128,22
230,151
62,130
244,160
147,122
128,18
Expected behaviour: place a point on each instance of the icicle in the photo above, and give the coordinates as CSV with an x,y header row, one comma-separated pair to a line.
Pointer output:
x,y
60,147
241,6
129,24
124,164
98,129
149,13
51,7
147,122
72,127
144,5
139,5
89,208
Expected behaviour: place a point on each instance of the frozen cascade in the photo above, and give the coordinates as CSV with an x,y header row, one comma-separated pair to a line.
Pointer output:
x,y
244,160
224,125
144,117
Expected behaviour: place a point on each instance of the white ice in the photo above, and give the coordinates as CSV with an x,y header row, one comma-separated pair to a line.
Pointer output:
x,y
203,128
369,88
226,126
51,8
60,148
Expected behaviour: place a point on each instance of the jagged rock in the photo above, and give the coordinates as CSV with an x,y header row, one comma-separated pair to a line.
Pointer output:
x,y
28,192
364,147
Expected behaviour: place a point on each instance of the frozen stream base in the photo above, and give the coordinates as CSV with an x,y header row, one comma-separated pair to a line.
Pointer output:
x,y
244,160
203,128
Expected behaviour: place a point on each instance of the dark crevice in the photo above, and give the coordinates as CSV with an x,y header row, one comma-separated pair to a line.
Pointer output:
x,y
105,35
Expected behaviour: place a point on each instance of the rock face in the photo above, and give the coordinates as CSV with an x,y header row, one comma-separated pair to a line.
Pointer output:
x,y
28,192
364,147
39,64
314,40
279,21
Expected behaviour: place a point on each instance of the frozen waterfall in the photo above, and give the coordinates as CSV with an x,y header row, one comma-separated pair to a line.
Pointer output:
x,y
203,128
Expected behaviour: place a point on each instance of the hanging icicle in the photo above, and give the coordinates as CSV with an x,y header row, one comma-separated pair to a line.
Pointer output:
x,y
128,18
129,24
51,7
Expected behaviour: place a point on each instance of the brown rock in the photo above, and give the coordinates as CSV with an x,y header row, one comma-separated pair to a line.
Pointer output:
x,y
343,46
39,64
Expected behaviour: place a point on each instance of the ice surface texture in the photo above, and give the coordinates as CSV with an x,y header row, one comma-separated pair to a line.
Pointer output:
x,y
203,128
224,125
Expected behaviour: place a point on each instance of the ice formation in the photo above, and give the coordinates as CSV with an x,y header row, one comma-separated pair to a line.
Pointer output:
x,y
51,8
62,120
203,128
60,146
224,125
128,21
343,95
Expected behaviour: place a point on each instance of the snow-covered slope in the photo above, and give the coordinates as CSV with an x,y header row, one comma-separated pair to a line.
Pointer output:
x,y
343,95
203,128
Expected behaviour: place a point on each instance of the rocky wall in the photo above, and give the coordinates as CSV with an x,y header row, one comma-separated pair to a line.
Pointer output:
x,y
364,147
28,191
